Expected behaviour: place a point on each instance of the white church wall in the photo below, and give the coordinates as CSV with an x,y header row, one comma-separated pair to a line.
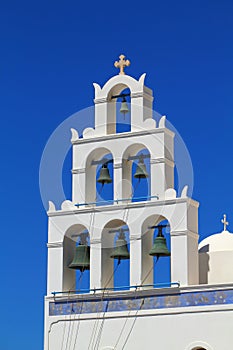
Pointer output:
x,y
177,329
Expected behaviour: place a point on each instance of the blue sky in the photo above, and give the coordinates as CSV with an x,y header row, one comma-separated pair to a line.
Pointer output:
x,y
51,53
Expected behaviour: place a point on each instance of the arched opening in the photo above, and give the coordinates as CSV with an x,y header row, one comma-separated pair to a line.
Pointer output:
x,y
123,112
156,262
118,109
115,255
76,259
199,345
136,184
99,177
104,181
140,176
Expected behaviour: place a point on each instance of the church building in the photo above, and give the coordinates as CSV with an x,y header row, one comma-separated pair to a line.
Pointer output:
x,y
130,234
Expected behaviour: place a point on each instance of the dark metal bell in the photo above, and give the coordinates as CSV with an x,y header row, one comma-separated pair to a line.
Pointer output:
x,y
120,251
104,177
124,107
141,172
81,259
160,246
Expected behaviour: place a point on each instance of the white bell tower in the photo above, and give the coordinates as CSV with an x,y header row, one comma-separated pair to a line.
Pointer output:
x,y
65,310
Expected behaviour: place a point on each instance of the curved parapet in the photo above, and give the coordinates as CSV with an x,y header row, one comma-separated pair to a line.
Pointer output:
x,y
89,132
162,122
68,205
74,135
170,193
184,193
52,207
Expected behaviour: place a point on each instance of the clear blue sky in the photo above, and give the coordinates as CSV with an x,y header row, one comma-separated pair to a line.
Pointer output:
x,y
51,52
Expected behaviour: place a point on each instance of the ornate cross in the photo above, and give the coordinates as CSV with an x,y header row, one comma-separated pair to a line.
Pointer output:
x,y
121,64
225,222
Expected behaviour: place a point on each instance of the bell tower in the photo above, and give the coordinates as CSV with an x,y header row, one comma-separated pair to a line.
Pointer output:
x,y
118,229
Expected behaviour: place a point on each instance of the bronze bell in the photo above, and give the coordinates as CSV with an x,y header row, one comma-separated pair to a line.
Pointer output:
x,y
104,176
141,172
120,251
124,108
81,260
160,246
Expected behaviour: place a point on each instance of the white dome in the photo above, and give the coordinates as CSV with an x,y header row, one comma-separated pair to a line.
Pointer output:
x,y
222,241
216,257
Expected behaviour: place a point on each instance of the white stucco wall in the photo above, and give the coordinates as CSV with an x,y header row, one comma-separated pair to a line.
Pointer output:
x,y
216,258
184,328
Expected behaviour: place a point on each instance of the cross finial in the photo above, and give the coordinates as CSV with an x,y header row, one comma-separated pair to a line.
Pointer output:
x,y
122,63
224,221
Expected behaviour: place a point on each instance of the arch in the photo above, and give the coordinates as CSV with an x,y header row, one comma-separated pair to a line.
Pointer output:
x,y
154,271
71,276
110,266
128,185
91,170
116,90
199,345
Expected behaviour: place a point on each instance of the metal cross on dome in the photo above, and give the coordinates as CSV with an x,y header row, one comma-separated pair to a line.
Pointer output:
x,y
121,64
225,222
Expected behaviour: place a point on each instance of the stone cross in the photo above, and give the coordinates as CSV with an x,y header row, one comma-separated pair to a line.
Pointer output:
x,y
121,64
224,221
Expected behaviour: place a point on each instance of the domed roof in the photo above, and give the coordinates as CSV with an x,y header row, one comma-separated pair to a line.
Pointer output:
x,y
222,241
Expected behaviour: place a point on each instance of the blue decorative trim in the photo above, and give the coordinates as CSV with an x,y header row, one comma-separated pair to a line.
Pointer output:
x,y
130,303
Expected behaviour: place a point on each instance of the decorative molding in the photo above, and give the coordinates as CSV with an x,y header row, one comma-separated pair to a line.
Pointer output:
x,y
175,299
135,238
117,165
55,244
100,100
78,171
162,160
97,138
141,94
185,233
120,207
95,241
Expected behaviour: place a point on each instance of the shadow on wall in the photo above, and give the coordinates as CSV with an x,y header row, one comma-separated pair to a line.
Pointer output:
x,y
203,267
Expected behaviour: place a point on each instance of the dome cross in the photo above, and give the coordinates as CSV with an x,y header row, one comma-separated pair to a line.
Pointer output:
x,y
225,222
